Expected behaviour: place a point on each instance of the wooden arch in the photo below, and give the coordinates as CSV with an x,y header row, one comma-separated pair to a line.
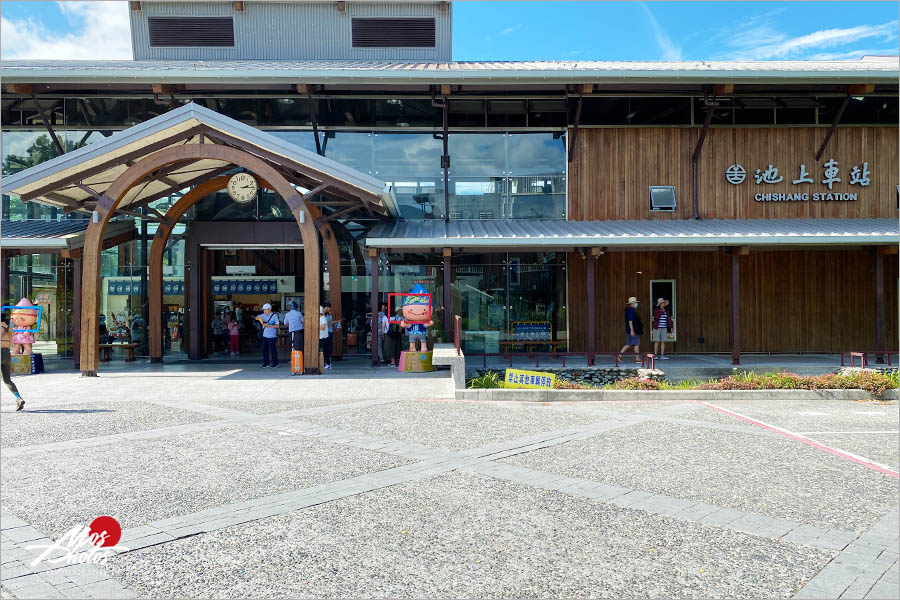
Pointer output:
x,y
90,307
161,239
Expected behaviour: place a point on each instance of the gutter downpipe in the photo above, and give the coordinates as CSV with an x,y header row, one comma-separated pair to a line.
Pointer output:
x,y
445,158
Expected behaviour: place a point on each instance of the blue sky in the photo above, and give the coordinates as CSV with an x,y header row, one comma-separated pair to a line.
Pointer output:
x,y
539,30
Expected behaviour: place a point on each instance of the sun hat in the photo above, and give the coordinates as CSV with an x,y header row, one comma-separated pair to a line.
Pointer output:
x,y
660,301
267,306
631,300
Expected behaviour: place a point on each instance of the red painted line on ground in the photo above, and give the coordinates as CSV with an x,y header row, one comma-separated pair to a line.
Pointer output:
x,y
800,438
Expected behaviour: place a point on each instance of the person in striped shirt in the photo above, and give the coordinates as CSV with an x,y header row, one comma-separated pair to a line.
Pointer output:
x,y
662,327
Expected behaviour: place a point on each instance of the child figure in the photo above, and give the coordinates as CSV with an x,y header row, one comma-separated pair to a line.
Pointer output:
x,y
234,331
25,317
417,317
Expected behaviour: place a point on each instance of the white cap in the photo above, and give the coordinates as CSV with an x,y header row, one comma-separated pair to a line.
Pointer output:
x,y
267,306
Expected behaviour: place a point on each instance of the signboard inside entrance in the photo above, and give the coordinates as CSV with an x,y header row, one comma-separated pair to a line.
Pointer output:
x,y
240,269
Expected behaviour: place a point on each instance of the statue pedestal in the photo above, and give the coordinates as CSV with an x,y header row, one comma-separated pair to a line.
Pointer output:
x,y
415,362
20,364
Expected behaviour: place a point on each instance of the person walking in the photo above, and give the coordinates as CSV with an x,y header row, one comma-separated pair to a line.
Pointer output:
x,y
227,318
269,322
383,327
633,328
393,339
329,342
662,327
323,336
218,327
234,336
5,363
294,320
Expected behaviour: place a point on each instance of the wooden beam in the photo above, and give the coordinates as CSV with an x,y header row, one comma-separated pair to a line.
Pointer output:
x,y
859,89
596,251
19,88
723,89
736,308
164,89
586,88
879,302
445,89
340,213
885,250
341,6
113,162
70,253
445,6
303,88
591,266
134,5
238,6
742,250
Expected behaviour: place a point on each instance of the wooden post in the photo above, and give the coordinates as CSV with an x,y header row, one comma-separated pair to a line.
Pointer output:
x,y
736,307
145,241
879,303
448,298
373,261
591,266
76,311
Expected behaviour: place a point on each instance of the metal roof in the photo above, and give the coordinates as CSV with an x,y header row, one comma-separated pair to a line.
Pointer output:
x,y
66,234
498,72
669,233
155,131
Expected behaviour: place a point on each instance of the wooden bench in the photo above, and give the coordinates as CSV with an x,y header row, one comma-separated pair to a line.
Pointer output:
x,y
106,351
553,344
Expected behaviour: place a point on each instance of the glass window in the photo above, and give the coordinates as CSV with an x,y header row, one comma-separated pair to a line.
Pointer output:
x,y
96,112
861,110
477,197
350,148
284,111
394,112
411,163
302,139
474,154
659,111
600,111
466,113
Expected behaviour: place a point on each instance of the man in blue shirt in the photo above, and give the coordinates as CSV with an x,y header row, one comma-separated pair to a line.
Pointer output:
x,y
269,322
294,320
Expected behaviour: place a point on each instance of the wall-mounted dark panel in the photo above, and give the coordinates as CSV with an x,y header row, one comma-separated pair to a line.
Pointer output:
x,y
393,33
169,32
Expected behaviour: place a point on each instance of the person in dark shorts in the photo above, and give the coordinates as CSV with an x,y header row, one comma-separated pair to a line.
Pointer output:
x,y
5,360
633,328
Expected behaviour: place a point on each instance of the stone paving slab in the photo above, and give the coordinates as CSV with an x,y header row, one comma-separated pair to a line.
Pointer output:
x,y
151,479
770,476
465,535
60,422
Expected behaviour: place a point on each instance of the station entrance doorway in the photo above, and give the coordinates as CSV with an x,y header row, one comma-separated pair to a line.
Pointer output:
x,y
241,278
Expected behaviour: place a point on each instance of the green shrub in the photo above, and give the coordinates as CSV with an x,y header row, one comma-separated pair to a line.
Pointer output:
x,y
567,384
486,381
634,383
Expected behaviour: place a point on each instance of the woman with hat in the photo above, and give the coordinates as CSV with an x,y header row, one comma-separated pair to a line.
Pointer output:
x,y
633,328
662,327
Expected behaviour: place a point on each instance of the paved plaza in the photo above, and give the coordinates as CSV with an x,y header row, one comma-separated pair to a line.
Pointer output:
x,y
232,481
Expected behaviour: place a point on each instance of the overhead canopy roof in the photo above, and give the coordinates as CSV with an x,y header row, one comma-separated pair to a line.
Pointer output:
x,y
68,234
493,72
96,166
621,234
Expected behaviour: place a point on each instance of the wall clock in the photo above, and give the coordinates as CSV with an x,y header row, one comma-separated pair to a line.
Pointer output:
x,y
242,187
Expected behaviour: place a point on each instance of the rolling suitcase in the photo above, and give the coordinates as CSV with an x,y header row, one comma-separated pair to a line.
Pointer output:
x,y
296,362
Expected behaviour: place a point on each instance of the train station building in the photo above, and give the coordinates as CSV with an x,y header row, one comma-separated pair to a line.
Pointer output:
x,y
532,199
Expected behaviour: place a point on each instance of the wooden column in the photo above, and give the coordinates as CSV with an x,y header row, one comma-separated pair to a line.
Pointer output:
x,y
333,258
76,311
373,261
448,298
145,239
591,267
194,302
879,301
736,304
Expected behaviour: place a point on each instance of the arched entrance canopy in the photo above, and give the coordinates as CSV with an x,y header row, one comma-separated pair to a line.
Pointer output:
x,y
185,148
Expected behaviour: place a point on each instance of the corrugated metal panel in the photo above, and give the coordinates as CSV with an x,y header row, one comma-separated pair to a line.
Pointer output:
x,y
389,71
500,234
292,31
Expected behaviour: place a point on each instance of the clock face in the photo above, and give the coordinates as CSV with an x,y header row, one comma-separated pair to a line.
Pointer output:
x,y
242,187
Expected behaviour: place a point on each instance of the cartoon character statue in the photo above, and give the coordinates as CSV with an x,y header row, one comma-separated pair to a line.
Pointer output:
x,y
25,319
417,316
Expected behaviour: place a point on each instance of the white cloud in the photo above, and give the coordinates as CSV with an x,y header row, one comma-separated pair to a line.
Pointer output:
x,y
668,48
761,39
99,31
854,54
512,29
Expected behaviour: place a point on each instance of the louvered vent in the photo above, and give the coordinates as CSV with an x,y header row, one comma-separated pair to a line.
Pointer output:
x,y
191,32
393,33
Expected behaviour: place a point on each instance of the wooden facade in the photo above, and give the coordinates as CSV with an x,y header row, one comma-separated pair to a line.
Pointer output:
x,y
612,169
790,301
